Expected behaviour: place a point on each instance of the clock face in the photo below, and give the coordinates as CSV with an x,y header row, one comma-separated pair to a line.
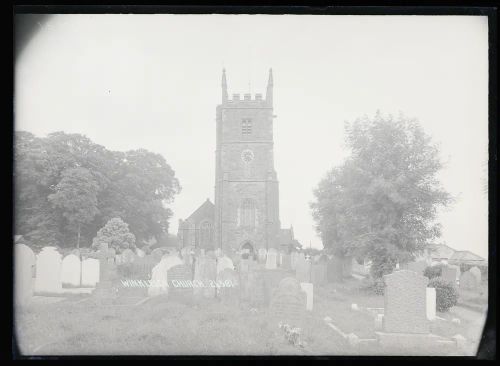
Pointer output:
x,y
247,156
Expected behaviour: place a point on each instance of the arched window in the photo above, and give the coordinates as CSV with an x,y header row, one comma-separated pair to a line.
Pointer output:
x,y
248,213
206,234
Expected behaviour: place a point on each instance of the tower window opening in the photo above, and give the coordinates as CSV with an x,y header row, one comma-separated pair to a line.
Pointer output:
x,y
246,126
248,213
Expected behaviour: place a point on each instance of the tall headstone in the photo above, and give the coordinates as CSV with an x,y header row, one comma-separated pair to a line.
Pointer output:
x,y
449,274
308,289
405,303
293,259
48,271
271,261
430,303
205,273
477,273
90,272
286,262
468,281
288,303
262,255
24,262
318,274
71,270
303,270
180,281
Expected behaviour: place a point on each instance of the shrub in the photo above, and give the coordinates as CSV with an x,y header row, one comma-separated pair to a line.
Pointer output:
x,y
433,271
446,294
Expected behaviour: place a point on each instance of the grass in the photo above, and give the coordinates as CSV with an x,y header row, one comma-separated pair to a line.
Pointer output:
x,y
161,326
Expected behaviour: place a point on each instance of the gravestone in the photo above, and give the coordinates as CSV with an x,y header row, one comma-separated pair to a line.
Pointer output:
x,y
286,262
24,262
303,270
262,255
229,291
430,303
468,281
107,265
48,271
118,259
90,272
334,269
405,303
318,274
223,263
159,275
449,274
180,281
288,303
476,272
205,275
271,260
293,259
128,256
71,268
308,289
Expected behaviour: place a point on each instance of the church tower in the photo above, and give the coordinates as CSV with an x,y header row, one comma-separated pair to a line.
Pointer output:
x,y
246,185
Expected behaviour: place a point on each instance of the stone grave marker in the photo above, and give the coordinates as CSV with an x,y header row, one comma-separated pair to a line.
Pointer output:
x,y
90,272
205,275
223,263
293,259
318,274
271,260
405,303
262,255
288,303
308,289
71,270
24,262
48,271
449,274
430,303
468,281
286,262
303,270
180,281
476,272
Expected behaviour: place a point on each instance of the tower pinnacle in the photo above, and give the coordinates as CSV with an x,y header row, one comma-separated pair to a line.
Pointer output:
x,y
270,83
224,86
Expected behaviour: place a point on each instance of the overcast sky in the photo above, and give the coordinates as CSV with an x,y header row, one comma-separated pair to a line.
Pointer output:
x,y
153,82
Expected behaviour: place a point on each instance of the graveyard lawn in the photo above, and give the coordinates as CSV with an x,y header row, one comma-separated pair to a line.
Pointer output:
x,y
162,327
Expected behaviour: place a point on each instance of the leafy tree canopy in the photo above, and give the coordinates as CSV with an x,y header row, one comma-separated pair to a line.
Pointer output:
x,y
381,204
63,179
116,234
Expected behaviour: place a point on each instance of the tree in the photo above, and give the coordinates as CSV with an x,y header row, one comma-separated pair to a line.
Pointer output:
x,y
116,234
76,198
381,204
136,185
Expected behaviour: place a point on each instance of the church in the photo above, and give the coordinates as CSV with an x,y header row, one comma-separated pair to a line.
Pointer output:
x,y
245,214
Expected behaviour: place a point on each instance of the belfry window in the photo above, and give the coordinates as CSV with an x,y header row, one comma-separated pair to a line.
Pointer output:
x,y
248,210
246,126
